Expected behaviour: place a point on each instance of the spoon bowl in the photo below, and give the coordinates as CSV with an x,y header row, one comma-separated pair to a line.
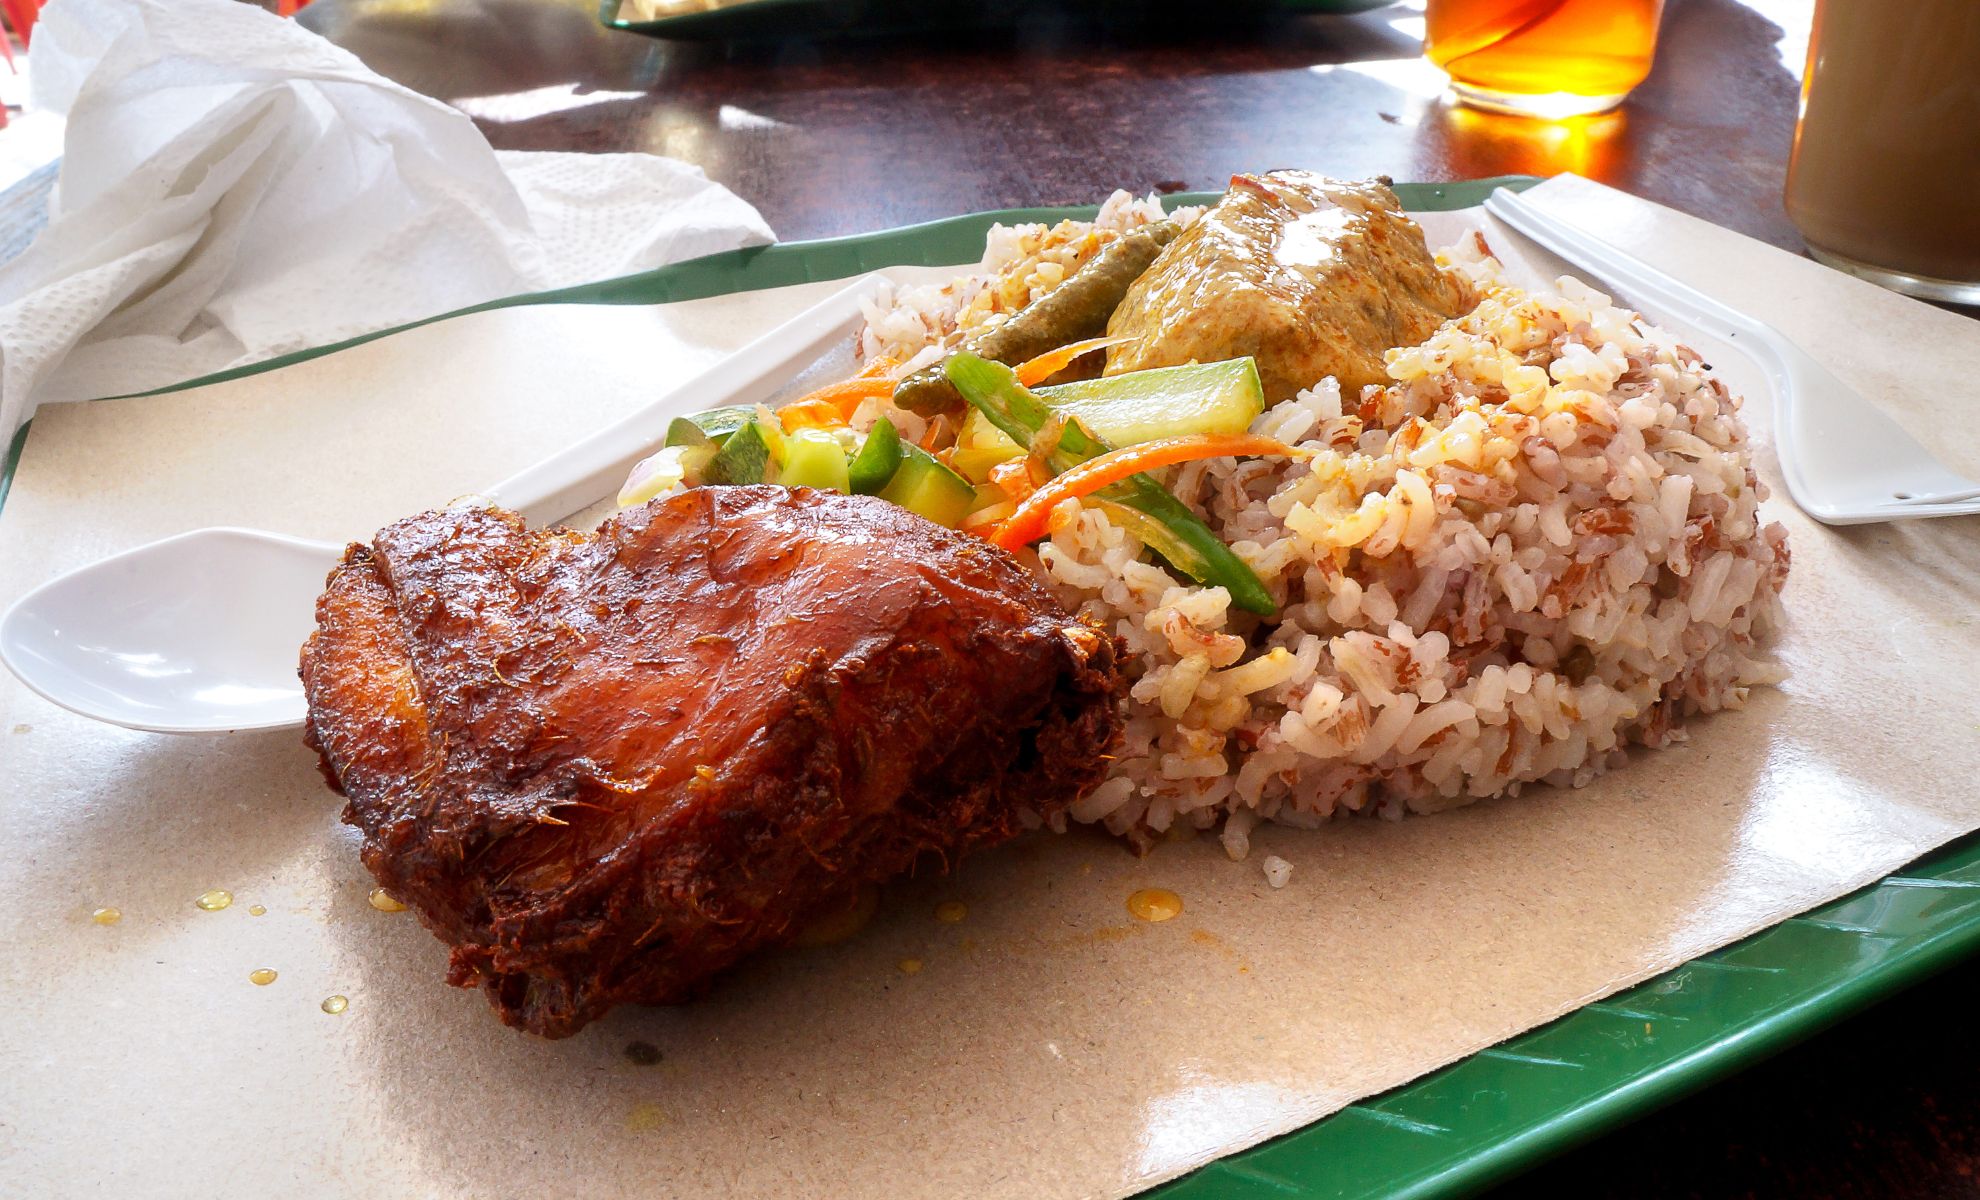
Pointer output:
x,y
203,632
198,633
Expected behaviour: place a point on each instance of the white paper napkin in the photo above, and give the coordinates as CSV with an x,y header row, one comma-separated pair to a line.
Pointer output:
x,y
234,187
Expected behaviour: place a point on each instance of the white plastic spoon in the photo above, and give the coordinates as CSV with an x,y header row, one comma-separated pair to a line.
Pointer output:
x,y
201,633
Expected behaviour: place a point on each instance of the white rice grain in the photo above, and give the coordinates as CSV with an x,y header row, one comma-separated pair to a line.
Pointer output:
x,y
1278,872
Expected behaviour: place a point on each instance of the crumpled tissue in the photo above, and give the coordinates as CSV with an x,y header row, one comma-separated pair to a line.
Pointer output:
x,y
234,187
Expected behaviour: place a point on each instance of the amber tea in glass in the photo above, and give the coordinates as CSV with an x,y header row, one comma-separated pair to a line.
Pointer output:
x,y
1542,58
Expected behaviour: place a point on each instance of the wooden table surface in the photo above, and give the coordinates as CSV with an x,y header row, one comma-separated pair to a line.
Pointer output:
x,y
844,137
839,138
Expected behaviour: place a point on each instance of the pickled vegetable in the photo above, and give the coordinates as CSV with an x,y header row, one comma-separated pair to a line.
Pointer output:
x,y
1219,397
993,390
744,457
665,470
878,458
1075,310
714,424
812,458
923,485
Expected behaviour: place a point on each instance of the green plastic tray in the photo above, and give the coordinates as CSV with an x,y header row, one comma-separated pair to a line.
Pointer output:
x,y
1509,1107
1521,1102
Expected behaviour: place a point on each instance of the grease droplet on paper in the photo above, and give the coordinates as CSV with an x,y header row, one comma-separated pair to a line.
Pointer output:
x,y
1154,904
385,901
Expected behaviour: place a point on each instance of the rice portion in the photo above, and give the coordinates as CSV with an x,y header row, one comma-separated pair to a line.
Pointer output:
x,y
1538,545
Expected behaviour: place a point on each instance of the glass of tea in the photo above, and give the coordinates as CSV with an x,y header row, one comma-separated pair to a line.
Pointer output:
x,y
1542,58
1885,178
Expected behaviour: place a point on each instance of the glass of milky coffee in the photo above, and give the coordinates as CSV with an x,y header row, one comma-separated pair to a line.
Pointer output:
x,y
1885,178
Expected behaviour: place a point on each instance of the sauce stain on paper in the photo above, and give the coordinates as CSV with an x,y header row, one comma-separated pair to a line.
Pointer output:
x,y
1210,941
642,1054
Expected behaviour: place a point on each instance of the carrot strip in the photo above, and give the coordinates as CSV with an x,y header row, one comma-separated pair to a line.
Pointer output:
x,y
843,397
835,403
1015,478
1028,523
932,436
810,414
1033,372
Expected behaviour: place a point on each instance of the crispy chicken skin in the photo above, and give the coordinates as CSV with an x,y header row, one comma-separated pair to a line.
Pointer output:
x,y
1310,276
605,767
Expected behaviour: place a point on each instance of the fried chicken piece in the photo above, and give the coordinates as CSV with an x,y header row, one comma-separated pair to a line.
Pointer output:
x,y
605,767
1310,276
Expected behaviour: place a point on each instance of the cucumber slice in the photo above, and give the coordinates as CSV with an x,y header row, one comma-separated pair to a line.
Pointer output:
x,y
923,485
878,458
682,431
715,424
744,458
812,458
1140,406
694,463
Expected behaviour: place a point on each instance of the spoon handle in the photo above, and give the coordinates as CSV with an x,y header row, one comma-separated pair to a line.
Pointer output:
x,y
581,474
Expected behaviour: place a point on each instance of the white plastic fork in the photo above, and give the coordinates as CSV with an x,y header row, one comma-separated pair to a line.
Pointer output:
x,y
1845,461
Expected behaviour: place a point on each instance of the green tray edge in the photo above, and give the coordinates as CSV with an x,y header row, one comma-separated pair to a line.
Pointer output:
x,y
949,241
1577,1076
944,242
1512,1106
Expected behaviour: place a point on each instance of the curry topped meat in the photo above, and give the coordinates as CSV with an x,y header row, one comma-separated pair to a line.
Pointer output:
x,y
1308,275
